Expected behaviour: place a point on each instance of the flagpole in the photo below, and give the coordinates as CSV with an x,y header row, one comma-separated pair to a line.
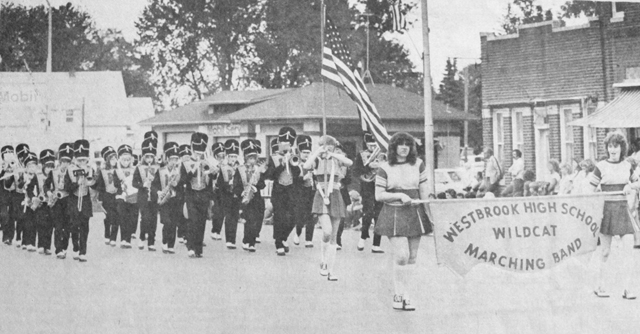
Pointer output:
x,y
428,116
322,28
49,47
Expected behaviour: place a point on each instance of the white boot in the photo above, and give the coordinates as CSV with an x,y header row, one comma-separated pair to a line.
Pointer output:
x,y
361,245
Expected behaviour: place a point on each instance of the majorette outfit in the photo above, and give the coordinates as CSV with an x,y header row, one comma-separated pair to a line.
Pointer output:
x,y
229,185
7,187
125,200
396,219
614,176
251,197
283,195
217,213
327,173
306,193
77,184
370,207
55,184
107,190
31,190
147,200
166,184
198,194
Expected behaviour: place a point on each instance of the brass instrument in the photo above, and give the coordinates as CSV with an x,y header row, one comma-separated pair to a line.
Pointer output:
x,y
26,202
129,192
83,177
372,160
51,200
147,182
168,191
250,189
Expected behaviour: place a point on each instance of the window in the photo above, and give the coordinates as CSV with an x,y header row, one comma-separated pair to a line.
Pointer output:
x,y
69,113
566,132
617,11
592,143
517,126
498,133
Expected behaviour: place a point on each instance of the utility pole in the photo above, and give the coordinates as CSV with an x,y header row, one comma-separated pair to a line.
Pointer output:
x,y
466,109
428,116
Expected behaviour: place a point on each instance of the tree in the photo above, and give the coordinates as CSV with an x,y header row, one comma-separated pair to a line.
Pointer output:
x,y
523,12
381,20
197,47
573,9
451,89
24,34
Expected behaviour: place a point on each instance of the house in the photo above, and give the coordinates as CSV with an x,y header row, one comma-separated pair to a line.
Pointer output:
x,y
539,82
260,114
46,109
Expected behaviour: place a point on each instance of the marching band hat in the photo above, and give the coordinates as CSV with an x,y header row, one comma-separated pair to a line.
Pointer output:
x,y
217,148
151,135
368,138
6,149
249,147
304,143
65,151
149,147
30,157
47,156
184,150
171,149
106,153
274,145
124,149
81,148
199,142
258,145
232,146
22,150
287,135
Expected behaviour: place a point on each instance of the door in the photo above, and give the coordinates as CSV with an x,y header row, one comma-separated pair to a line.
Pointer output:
x,y
543,153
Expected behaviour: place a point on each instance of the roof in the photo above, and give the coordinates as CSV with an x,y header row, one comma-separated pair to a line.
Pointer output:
x,y
242,97
622,112
306,103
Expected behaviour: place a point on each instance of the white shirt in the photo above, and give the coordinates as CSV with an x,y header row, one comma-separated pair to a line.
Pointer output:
x,y
517,169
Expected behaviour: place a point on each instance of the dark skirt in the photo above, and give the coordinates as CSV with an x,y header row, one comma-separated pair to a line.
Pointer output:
x,y
403,221
617,219
336,207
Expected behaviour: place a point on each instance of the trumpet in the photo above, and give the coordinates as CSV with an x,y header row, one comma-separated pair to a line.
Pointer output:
x,y
250,189
168,191
37,201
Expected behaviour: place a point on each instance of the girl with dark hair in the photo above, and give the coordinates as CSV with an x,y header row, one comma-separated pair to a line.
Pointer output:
x,y
328,204
615,174
399,182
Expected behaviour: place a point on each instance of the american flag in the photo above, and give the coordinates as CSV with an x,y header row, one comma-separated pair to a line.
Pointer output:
x,y
337,68
399,22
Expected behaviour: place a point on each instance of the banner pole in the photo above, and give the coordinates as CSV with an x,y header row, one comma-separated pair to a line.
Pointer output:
x,y
428,116
322,28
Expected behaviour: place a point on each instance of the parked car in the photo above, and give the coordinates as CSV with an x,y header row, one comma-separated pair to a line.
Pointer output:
x,y
451,178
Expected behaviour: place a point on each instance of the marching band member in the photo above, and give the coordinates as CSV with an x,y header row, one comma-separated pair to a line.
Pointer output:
x,y
143,176
183,226
345,180
252,176
125,197
165,185
217,214
365,169
22,150
307,191
328,204
55,189
77,182
37,192
283,193
230,189
29,216
107,194
198,193
7,191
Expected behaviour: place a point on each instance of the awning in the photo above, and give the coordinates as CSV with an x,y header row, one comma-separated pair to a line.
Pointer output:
x,y
622,112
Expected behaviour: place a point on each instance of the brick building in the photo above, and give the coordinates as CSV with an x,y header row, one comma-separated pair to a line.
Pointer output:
x,y
538,82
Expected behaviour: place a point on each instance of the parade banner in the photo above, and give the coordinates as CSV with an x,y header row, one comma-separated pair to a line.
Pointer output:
x,y
522,234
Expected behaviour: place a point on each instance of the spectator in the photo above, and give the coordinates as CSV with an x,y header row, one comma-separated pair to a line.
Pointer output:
x,y
516,188
553,178
451,193
529,177
442,195
566,180
581,178
635,147
492,171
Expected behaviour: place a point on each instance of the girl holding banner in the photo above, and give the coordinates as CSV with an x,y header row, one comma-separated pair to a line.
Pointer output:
x,y
615,174
400,181
328,204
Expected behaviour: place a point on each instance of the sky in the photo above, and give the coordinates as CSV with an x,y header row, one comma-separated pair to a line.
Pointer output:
x,y
455,25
